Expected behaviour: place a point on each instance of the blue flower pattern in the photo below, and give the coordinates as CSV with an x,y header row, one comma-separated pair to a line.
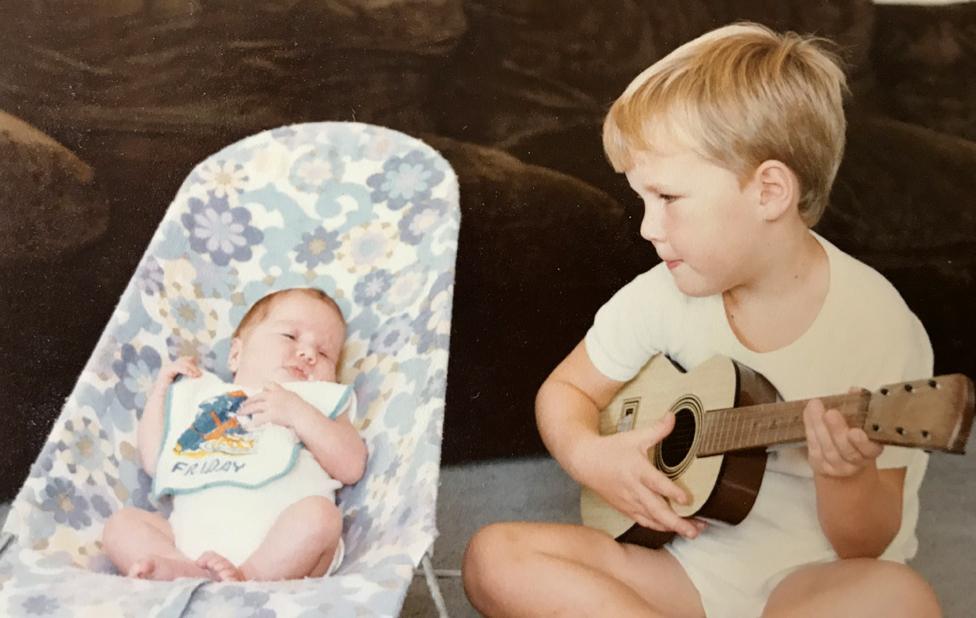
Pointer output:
x,y
219,231
39,605
61,499
372,286
317,247
382,247
406,179
149,277
136,371
393,336
421,219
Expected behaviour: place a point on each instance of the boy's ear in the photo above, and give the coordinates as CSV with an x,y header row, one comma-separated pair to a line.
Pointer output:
x,y
233,357
778,189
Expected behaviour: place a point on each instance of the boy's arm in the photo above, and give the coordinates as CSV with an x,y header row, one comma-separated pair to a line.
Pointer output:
x,y
858,505
335,444
617,466
861,514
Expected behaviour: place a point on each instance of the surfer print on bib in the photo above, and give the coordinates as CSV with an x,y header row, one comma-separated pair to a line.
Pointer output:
x,y
206,443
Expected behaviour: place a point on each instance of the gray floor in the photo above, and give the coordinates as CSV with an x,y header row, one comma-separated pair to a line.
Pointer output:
x,y
536,489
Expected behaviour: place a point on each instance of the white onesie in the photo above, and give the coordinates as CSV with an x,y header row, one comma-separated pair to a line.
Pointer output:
x,y
864,335
230,482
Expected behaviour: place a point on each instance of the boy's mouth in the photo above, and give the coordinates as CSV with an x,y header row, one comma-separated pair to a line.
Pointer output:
x,y
672,264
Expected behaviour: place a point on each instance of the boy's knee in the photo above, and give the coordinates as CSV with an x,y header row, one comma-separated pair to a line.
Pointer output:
x,y
487,556
911,592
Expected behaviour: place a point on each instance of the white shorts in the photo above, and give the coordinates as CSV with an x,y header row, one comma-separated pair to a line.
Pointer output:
x,y
735,568
233,521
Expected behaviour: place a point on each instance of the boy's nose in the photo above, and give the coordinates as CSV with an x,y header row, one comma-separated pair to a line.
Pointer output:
x,y
307,355
650,228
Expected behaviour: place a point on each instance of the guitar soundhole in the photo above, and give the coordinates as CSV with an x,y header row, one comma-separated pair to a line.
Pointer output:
x,y
676,451
675,447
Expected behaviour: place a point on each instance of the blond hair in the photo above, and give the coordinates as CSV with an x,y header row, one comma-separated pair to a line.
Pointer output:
x,y
262,307
740,95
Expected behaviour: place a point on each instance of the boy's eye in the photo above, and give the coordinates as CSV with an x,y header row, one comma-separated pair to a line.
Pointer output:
x,y
668,198
288,336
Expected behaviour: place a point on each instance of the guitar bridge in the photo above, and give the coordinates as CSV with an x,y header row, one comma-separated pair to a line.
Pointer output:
x,y
628,415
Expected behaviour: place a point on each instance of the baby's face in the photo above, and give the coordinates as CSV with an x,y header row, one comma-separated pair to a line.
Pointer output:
x,y
298,340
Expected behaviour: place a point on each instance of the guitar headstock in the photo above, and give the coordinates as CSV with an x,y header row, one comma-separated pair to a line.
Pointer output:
x,y
934,414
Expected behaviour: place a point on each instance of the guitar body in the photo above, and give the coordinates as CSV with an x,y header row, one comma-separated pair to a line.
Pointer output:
x,y
727,414
722,487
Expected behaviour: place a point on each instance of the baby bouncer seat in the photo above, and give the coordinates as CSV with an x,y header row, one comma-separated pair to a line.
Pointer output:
x,y
367,214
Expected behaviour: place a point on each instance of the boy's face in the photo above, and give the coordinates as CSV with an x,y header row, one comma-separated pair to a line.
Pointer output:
x,y
702,223
298,340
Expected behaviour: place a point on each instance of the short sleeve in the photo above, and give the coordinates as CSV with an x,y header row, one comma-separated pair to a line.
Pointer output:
x,y
350,406
329,398
624,334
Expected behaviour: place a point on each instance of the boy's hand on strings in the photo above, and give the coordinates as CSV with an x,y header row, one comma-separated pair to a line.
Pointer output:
x,y
278,405
834,448
618,468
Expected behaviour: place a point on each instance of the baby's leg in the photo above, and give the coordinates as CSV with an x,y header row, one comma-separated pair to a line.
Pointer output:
x,y
141,544
301,542
529,569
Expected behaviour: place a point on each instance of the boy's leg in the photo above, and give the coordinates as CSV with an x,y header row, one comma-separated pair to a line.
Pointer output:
x,y
558,569
301,543
141,544
855,587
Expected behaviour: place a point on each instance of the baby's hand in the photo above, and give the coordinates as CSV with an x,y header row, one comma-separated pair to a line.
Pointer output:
x,y
834,448
277,405
185,366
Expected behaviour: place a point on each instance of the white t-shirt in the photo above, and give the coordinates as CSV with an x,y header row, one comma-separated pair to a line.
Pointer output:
x,y
865,335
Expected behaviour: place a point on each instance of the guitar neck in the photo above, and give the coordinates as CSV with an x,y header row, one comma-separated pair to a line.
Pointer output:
x,y
770,424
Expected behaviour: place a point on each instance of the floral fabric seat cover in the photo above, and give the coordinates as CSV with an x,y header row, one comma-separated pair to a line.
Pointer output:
x,y
367,214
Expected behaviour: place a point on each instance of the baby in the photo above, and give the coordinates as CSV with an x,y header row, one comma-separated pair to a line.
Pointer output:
x,y
253,467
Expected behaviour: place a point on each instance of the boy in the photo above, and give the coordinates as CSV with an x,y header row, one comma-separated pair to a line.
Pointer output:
x,y
242,512
732,142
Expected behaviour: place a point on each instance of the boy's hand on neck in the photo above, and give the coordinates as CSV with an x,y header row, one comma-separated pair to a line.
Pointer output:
x,y
848,481
834,448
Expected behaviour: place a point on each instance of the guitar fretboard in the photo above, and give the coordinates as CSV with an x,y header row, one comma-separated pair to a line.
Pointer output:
x,y
769,424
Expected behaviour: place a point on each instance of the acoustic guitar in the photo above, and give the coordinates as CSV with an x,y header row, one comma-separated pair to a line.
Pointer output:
x,y
726,415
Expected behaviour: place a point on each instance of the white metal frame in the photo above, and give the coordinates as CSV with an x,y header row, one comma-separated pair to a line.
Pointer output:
x,y
431,574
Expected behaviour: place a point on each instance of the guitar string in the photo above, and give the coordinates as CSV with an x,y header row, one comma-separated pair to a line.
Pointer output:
x,y
723,424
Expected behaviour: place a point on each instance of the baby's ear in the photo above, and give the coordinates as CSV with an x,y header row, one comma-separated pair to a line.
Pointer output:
x,y
233,357
779,189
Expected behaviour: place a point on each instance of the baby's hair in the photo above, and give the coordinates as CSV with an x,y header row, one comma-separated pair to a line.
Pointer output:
x,y
260,309
740,95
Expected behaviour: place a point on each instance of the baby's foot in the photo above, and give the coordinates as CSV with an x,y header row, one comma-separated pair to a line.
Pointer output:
x,y
166,569
220,568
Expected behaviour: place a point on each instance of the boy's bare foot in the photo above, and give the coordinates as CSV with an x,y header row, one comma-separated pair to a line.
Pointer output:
x,y
220,568
166,569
